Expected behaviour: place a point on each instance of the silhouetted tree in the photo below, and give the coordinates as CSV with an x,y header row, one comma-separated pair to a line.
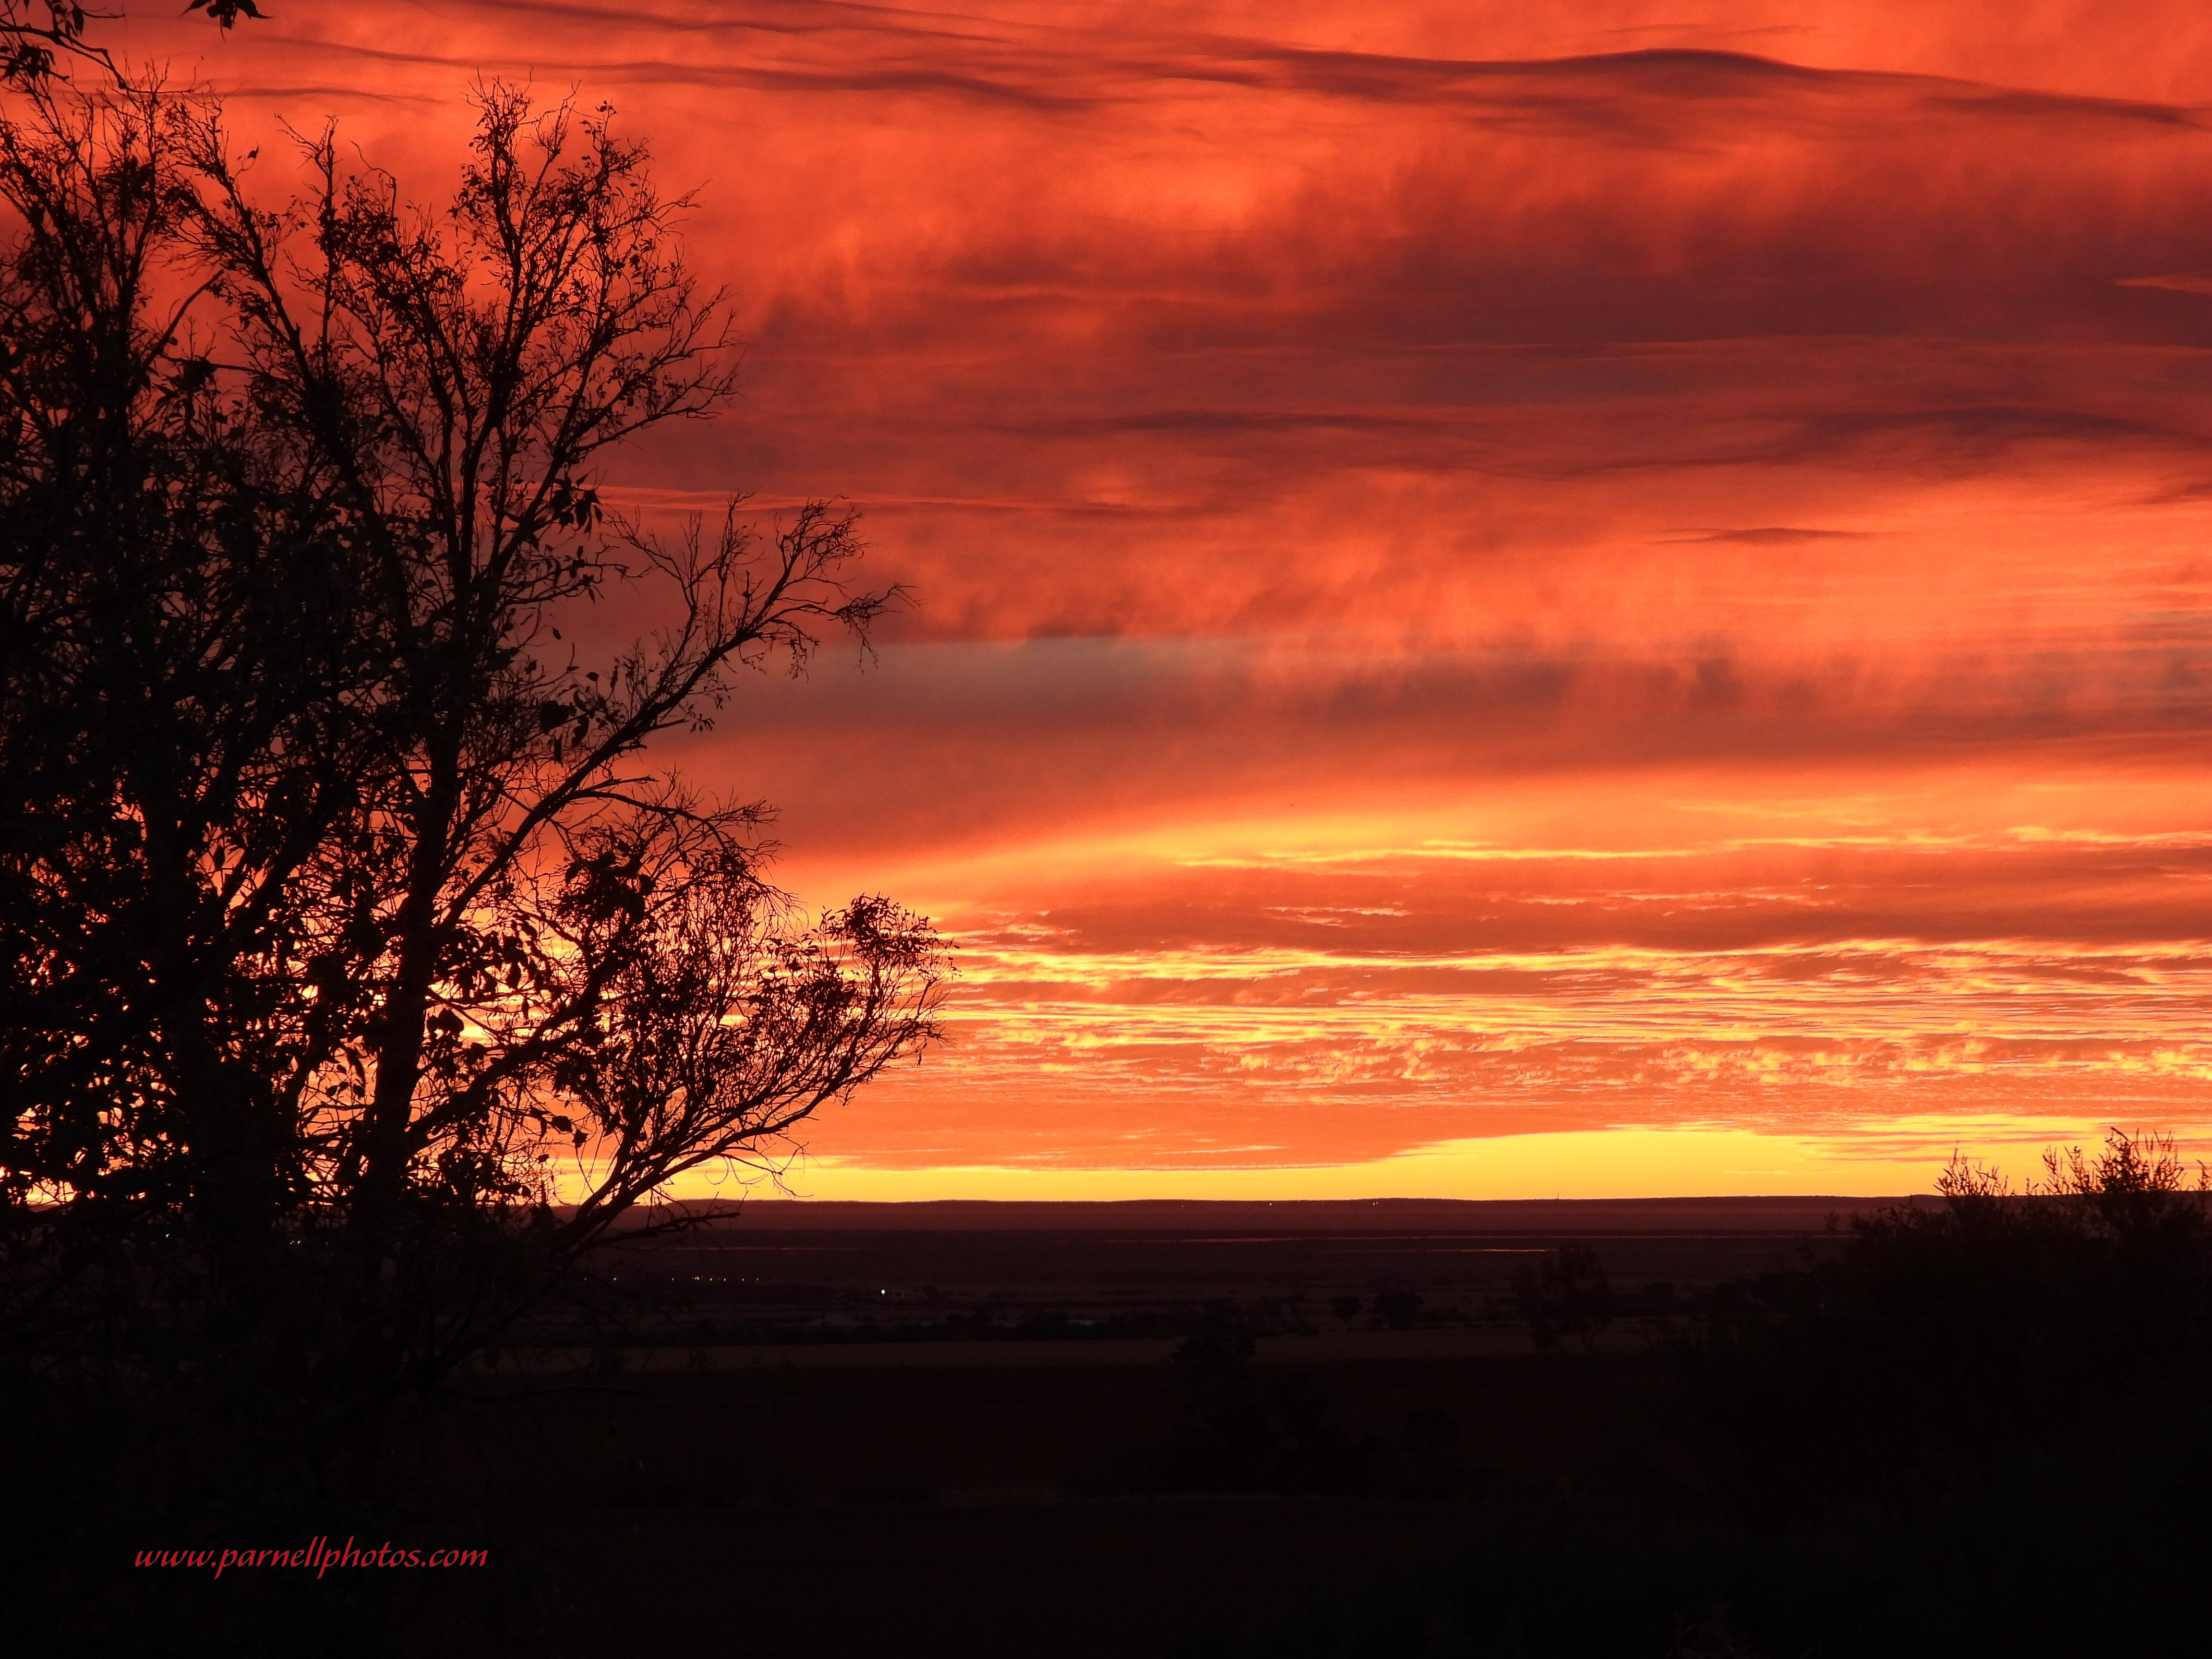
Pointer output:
x,y
39,39
340,910
37,35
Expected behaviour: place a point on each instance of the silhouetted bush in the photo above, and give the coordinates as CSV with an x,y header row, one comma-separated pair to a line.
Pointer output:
x,y
1997,1337
1565,1299
1398,1309
1979,1428
1248,1430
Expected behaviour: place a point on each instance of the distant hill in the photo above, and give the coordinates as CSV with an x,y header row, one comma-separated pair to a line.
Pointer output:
x,y
1594,1216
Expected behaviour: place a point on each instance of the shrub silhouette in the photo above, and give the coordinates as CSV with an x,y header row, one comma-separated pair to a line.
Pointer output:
x,y
1399,1309
1243,1433
2064,1325
1565,1299
1899,1450
1243,1430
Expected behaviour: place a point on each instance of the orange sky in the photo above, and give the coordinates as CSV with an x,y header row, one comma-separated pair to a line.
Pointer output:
x,y
1511,598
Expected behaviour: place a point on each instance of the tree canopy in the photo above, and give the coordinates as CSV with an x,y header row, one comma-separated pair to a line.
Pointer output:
x,y
344,915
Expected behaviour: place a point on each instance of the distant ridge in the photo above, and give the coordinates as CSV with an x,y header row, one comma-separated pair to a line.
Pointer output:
x,y
1533,1215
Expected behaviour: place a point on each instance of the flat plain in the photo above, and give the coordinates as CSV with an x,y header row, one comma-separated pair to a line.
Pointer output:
x,y
948,1429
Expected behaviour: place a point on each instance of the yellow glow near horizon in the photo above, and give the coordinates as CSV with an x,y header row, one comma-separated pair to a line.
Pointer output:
x,y
1682,1162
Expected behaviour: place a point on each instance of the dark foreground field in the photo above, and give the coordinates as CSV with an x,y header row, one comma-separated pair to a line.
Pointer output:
x,y
934,1504
962,1428
1689,1430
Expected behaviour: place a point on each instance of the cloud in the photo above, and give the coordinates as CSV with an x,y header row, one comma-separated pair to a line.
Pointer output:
x,y
947,750
1770,536
2179,282
1352,1010
1479,570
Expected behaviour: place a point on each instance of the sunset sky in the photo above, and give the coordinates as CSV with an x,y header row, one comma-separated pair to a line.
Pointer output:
x,y
1601,598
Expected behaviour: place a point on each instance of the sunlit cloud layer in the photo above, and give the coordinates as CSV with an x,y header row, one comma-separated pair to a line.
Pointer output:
x,y
1339,1010
1480,572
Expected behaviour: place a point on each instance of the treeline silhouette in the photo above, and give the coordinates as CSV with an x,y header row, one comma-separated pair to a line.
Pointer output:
x,y
1979,1427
